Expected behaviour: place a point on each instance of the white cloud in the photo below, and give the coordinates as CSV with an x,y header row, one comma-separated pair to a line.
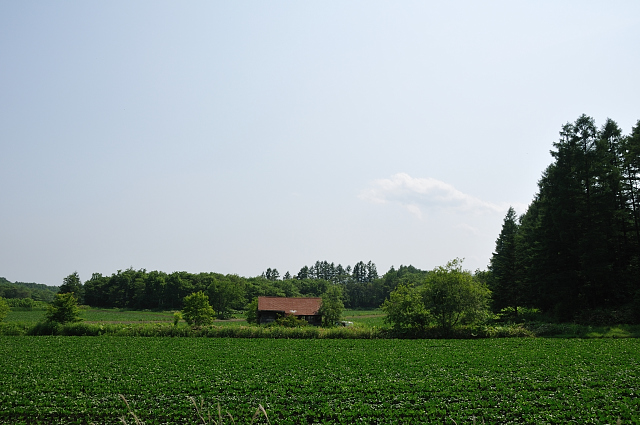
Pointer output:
x,y
420,194
464,227
414,209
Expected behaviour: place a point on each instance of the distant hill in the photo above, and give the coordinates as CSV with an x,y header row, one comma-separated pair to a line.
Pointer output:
x,y
36,291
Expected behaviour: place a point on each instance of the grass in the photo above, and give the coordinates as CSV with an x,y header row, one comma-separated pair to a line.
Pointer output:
x,y
363,313
366,324
120,315
25,316
365,318
113,315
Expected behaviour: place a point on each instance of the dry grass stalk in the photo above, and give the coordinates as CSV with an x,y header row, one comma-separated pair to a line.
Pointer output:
x,y
122,419
200,410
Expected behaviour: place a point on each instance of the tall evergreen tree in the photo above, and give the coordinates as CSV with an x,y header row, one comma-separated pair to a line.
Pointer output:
x,y
504,282
575,245
73,284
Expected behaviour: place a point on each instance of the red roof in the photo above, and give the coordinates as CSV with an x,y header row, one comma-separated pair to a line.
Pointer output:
x,y
296,306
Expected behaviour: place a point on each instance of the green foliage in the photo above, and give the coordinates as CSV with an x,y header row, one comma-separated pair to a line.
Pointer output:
x,y
449,296
452,296
499,381
405,308
251,312
24,303
177,316
332,306
72,284
578,244
290,321
4,309
225,292
35,291
504,278
139,289
63,309
197,311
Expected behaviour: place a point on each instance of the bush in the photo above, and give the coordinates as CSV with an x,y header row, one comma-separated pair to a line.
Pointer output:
x,y
45,328
177,316
14,329
290,321
4,309
25,303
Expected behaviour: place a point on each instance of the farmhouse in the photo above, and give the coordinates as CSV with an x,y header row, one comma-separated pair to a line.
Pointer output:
x,y
270,308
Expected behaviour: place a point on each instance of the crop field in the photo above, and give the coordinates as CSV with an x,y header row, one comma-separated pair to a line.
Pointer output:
x,y
500,381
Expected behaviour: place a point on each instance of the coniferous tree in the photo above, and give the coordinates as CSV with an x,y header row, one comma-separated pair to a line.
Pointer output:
x,y
576,247
63,309
504,282
72,284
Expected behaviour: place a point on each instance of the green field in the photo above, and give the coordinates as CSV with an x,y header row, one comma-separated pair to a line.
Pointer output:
x,y
362,318
500,381
97,315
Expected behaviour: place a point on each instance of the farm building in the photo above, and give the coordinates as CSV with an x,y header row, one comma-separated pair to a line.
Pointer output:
x,y
270,308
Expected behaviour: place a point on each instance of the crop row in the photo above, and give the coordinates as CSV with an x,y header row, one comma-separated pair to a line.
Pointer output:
x,y
77,380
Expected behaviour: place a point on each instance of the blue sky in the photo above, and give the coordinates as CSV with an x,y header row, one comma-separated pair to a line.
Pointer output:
x,y
237,136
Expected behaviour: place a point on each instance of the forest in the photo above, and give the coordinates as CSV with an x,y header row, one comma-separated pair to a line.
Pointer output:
x,y
575,252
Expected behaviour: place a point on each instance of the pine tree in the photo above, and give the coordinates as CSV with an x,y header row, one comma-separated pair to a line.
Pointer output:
x,y
574,246
504,279
73,284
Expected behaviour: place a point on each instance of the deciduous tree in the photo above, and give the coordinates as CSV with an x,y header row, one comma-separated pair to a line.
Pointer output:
x,y
252,311
332,305
405,308
197,311
452,295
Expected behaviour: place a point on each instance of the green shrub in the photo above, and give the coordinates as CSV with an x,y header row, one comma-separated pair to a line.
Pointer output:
x,y
4,309
44,328
290,321
25,303
14,329
177,316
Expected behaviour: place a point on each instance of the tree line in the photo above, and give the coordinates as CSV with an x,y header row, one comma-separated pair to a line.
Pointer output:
x,y
26,290
360,285
575,252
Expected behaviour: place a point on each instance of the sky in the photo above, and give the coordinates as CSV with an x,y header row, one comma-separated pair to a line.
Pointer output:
x,y
238,136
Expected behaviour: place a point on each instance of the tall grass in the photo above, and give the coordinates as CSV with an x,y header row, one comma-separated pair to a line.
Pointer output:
x,y
567,330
